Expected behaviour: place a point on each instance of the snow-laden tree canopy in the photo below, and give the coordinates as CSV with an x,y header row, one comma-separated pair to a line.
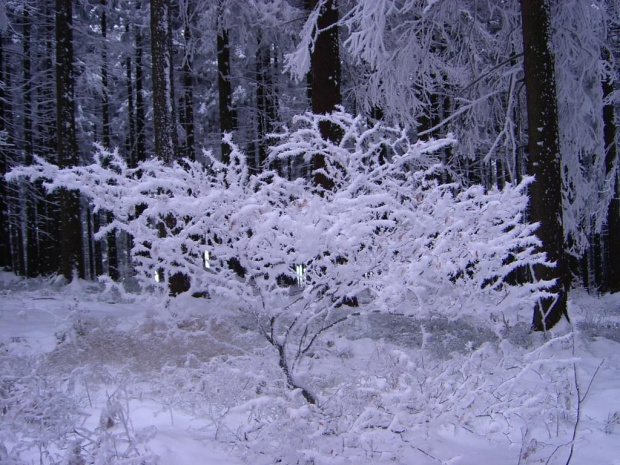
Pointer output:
x,y
388,228
296,256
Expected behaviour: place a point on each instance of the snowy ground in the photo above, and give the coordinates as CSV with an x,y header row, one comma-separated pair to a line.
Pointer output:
x,y
89,377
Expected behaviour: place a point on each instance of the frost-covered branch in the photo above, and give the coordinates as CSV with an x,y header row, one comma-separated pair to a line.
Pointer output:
x,y
388,230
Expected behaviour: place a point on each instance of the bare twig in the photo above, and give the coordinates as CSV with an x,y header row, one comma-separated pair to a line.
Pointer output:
x,y
580,400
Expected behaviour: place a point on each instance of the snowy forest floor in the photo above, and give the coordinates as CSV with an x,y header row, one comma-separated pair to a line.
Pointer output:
x,y
88,376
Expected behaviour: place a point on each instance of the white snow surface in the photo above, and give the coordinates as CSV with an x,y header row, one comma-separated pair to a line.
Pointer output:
x,y
88,376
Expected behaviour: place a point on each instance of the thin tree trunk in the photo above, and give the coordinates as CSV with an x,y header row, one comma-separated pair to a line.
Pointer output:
x,y
171,90
131,123
105,104
101,218
308,6
227,115
186,113
13,205
544,158
140,110
5,239
30,190
49,237
92,225
262,102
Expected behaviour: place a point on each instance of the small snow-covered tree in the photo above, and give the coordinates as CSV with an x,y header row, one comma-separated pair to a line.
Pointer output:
x,y
387,231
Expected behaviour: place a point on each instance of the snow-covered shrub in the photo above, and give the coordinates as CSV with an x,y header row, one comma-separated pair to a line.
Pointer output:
x,y
44,416
388,230
394,405
36,415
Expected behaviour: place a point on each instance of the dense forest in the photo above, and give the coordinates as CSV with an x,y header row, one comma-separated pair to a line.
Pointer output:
x,y
193,83
309,232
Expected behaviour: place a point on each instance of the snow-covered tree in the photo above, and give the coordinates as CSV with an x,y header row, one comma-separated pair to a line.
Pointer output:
x,y
295,257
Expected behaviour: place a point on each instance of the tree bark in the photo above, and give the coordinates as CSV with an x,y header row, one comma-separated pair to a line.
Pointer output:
x,y
163,108
70,224
544,158
266,100
162,85
140,111
5,238
10,202
102,217
46,142
186,113
612,235
325,68
30,190
227,114
131,116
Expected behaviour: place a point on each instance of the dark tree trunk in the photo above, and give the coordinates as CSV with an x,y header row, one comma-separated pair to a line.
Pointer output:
x,y
131,123
162,84
97,249
102,218
163,109
98,219
544,157
227,115
28,137
30,190
140,111
308,6
92,225
613,240
70,224
49,214
266,101
186,113
612,235
171,89
325,66
105,104
113,265
5,239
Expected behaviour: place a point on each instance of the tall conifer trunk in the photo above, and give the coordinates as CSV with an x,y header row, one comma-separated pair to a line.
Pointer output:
x,y
325,68
163,110
131,122
162,84
612,237
108,217
5,240
30,190
186,112
49,214
70,224
266,99
227,114
140,107
544,157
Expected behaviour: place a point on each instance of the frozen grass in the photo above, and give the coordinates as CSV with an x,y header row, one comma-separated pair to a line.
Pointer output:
x,y
89,377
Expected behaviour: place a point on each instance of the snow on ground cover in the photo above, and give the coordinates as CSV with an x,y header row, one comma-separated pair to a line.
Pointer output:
x,y
184,381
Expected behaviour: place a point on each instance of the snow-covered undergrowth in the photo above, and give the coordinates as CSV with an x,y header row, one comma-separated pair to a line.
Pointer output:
x,y
435,364
388,227
387,232
152,381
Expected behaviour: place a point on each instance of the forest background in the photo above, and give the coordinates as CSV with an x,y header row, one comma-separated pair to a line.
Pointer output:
x,y
318,231
169,79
